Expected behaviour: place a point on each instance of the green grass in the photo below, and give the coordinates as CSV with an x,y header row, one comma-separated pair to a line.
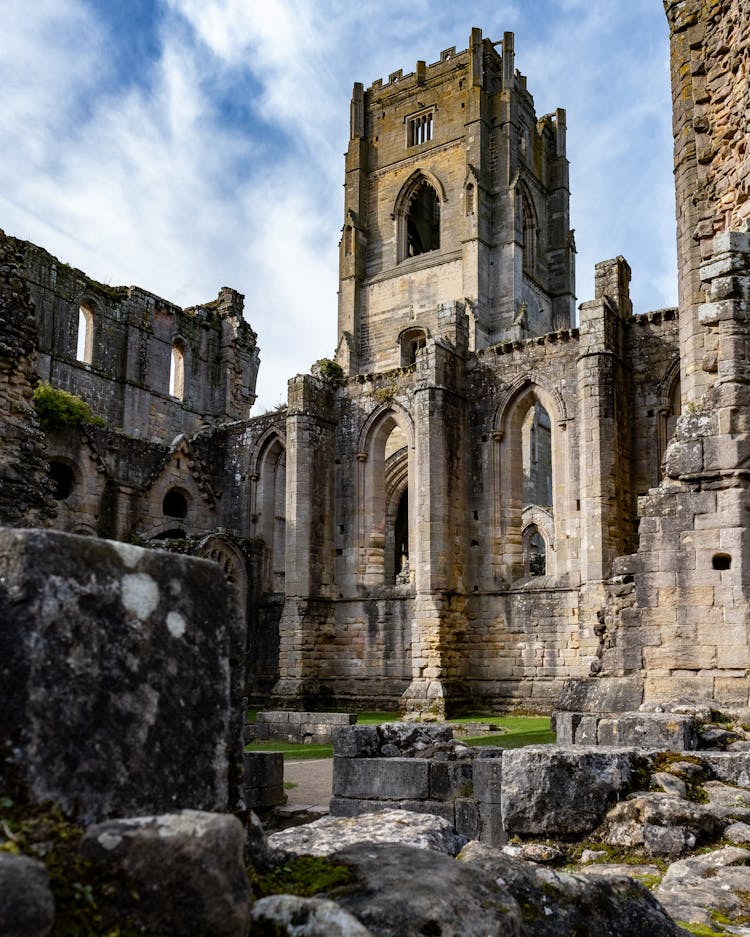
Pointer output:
x,y
516,731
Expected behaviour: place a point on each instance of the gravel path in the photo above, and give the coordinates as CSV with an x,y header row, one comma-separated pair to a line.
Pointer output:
x,y
314,780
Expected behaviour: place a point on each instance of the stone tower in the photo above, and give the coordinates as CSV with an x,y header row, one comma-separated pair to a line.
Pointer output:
x,y
455,193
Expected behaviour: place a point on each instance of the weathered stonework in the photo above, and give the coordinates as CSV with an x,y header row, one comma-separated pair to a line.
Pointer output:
x,y
25,489
121,675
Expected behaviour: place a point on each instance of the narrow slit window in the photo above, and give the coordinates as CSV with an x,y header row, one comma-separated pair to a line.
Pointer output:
x,y
177,373
85,341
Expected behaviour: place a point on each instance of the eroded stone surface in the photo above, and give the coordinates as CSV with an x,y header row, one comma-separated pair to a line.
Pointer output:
x,y
185,871
291,916
561,792
716,881
107,707
559,903
329,834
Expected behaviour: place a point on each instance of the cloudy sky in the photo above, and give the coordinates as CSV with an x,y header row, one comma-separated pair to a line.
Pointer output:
x,y
186,145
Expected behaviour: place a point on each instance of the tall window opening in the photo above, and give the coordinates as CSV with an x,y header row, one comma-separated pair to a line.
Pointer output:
x,y
423,221
536,436
85,341
534,552
271,513
384,511
528,235
177,372
419,129
401,540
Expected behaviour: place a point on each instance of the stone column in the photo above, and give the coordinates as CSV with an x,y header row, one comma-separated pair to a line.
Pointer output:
x,y
442,537
606,497
309,535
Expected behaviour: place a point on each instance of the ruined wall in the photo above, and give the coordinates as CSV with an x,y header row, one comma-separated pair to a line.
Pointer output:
x,y
710,97
124,372
25,489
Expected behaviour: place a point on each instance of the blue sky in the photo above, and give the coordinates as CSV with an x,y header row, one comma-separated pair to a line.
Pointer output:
x,y
186,145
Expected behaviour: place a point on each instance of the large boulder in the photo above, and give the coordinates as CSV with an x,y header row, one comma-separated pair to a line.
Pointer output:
x,y
329,834
121,671
179,874
561,792
558,903
26,904
661,824
407,892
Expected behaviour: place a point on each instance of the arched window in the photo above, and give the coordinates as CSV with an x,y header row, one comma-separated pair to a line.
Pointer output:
x,y
423,221
270,512
536,434
411,340
528,234
177,372
384,529
85,341
534,552
63,478
470,199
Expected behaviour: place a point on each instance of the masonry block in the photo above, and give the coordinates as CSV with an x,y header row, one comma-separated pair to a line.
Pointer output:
x,y
264,779
666,731
356,742
491,825
121,671
450,779
381,778
488,776
467,817
551,791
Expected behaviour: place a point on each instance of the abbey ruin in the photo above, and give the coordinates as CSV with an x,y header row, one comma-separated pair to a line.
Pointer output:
x,y
488,493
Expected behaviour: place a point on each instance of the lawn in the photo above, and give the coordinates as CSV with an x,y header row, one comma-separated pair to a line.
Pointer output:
x,y
513,732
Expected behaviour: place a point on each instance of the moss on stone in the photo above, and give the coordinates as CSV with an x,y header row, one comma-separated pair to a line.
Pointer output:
x,y
302,875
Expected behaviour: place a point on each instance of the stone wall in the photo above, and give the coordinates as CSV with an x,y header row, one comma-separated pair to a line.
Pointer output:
x,y
710,99
25,489
124,372
122,678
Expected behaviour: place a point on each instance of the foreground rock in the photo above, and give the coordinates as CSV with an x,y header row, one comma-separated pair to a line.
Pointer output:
x,y
330,834
290,916
179,874
26,905
694,889
138,657
561,792
557,903
406,892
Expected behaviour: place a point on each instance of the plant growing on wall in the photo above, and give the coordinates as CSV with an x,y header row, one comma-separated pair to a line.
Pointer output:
x,y
328,369
56,408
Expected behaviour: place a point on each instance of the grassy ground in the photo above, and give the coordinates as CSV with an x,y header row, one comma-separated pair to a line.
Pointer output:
x,y
513,732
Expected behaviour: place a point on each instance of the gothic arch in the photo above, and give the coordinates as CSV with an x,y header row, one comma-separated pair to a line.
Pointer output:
x,y
527,228
670,407
508,481
410,340
386,470
268,507
417,213
223,550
